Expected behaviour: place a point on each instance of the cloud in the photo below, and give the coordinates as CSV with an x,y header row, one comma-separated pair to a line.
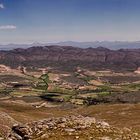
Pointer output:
x,y
1,6
7,27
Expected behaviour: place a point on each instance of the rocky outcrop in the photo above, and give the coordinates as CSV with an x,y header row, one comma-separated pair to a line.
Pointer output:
x,y
70,128
6,122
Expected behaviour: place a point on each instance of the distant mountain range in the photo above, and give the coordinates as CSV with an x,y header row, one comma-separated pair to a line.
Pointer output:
x,y
68,58
114,45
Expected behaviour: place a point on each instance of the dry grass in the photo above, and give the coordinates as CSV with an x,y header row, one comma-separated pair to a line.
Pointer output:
x,y
120,115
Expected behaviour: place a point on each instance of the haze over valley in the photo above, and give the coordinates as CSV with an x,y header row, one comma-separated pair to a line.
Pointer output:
x,y
113,45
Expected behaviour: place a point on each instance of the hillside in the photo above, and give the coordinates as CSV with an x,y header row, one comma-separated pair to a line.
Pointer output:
x,y
71,128
59,56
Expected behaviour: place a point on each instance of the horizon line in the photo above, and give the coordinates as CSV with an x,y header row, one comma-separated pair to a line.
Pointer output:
x,y
50,42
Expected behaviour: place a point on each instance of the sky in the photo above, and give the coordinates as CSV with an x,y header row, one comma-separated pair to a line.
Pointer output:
x,y
27,21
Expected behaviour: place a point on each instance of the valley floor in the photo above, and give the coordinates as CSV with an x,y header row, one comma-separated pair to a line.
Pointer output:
x,y
29,99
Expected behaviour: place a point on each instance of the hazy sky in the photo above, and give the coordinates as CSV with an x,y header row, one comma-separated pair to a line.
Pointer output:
x,y
24,21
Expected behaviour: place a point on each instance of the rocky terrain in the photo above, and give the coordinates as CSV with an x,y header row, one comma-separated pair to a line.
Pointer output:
x,y
59,56
56,92
70,128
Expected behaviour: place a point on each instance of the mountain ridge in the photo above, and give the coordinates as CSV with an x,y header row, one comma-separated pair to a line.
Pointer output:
x,y
70,57
115,45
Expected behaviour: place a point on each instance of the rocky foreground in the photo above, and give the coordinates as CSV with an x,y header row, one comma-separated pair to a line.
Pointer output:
x,y
70,128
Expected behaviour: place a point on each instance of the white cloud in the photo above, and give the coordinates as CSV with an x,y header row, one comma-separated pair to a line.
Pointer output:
x,y
7,27
1,6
